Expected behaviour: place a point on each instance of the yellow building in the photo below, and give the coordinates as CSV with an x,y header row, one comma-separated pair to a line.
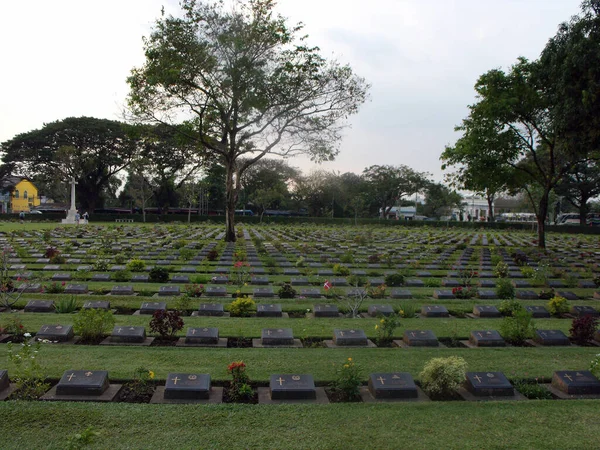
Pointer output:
x,y
18,194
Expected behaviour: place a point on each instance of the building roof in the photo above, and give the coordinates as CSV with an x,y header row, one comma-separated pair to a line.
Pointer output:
x,y
9,182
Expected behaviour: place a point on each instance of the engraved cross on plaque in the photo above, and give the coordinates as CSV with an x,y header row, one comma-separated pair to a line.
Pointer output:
x,y
281,380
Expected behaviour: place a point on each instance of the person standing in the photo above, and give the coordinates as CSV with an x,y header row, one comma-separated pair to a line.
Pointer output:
x,y
77,217
22,216
86,217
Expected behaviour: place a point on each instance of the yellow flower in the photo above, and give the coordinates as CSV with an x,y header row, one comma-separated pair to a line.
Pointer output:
x,y
382,321
349,359
346,366
151,375
376,327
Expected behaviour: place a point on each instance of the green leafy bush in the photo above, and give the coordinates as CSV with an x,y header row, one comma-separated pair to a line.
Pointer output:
x,y
166,323
136,265
394,279
286,291
504,289
501,270
533,391
385,329
558,306
407,311
441,377
66,305
55,288
92,324
347,381
510,307
583,329
340,269
518,328
595,366
239,387
158,275
242,307
121,276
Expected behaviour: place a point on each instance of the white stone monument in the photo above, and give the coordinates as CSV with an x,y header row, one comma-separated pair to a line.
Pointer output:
x,y
72,210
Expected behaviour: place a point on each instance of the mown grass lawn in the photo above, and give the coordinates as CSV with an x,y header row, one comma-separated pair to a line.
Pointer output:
x,y
434,425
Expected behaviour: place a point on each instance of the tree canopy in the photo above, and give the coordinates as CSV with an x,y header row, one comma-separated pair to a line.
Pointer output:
x,y
245,85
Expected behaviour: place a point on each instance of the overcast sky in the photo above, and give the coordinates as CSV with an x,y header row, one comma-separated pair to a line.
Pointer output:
x,y
64,58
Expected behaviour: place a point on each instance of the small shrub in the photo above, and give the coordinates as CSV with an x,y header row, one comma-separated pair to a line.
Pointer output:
x,y
82,439
101,265
465,276
463,292
120,258
242,307
583,329
441,377
58,259
595,366
51,252
92,324
519,257
286,291
518,328
347,258
122,276
597,280
533,391
239,386
55,288
212,255
571,281
377,291
546,294
385,329
510,307
179,244
300,262
407,311
504,289
14,327
374,259
28,374
185,254
558,306
158,275
347,381
66,305
141,386
394,279
136,265
183,303
356,280
193,290
166,323
528,272
501,270
341,270
432,282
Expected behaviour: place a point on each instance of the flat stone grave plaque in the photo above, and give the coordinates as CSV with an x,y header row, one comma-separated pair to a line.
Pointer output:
x,y
586,284
434,311
183,279
581,311
392,385
486,338
526,295
443,294
338,282
551,337
576,382
61,277
101,277
163,262
259,281
556,284
375,310
358,272
326,311
117,268
128,334
190,386
486,275
537,312
310,293
140,278
202,336
60,333
291,271
152,307
300,282
22,276
414,283
4,381
220,279
376,282
450,283
83,382
325,273
76,289
188,269
486,311
96,305
420,338
43,306
122,290
30,287
265,292
423,274
18,267
292,387
488,384
487,283
211,309
355,338
277,336
519,284
400,294
273,310
568,295
486,294
168,291
215,291
257,270
221,270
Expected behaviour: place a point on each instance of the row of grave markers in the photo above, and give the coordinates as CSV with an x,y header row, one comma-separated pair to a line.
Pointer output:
x,y
283,337
88,385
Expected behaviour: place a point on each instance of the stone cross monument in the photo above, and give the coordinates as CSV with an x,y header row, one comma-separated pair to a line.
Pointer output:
x,y
72,210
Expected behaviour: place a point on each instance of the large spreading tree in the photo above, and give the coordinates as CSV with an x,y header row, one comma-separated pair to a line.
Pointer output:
x,y
90,150
245,85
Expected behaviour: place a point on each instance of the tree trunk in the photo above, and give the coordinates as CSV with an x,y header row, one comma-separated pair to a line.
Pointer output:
x,y
583,209
230,201
541,219
490,200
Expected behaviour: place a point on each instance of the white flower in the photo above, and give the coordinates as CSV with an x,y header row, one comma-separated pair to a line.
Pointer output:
x,y
27,335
